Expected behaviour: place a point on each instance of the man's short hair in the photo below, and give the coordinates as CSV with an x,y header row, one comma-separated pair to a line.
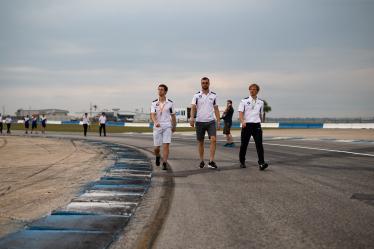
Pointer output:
x,y
230,101
205,78
254,85
103,113
164,86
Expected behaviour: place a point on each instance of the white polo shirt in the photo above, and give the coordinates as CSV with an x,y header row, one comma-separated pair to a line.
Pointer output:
x,y
8,120
205,106
85,120
251,109
163,111
102,119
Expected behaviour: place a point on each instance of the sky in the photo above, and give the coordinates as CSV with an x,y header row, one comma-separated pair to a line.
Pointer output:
x,y
310,58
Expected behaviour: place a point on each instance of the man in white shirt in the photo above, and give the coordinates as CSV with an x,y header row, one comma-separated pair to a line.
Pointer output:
x,y
8,122
164,124
86,123
102,122
250,115
204,104
26,121
1,123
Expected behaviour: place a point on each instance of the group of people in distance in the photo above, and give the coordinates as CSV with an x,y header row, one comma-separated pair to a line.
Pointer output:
x,y
102,122
34,123
205,117
26,121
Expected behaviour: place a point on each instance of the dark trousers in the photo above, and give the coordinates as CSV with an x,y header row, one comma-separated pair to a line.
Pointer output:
x,y
251,129
1,127
85,126
102,127
8,128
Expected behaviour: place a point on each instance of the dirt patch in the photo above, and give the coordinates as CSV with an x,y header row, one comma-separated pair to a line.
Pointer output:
x,y
39,175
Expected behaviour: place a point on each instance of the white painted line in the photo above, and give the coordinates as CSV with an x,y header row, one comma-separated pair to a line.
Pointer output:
x,y
307,148
321,149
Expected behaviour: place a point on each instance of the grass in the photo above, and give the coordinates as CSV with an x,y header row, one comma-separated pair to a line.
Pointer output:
x,y
95,128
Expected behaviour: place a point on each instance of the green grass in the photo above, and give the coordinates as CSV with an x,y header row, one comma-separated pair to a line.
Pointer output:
x,y
95,128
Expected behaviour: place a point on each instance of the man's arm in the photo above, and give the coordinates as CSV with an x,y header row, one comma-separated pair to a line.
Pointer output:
x,y
192,115
241,118
216,111
154,119
174,122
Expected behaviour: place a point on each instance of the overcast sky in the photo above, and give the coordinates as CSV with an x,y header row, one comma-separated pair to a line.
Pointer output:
x,y
311,58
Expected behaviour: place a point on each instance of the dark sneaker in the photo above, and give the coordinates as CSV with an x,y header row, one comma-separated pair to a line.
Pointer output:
x,y
263,166
164,166
158,161
202,164
242,165
212,165
231,145
226,145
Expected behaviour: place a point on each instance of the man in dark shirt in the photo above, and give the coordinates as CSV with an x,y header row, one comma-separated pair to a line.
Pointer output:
x,y
227,118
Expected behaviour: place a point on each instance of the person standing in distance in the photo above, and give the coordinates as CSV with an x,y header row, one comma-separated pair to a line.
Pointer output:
x,y
227,118
34,124
164,124
8,122
27,123
102,122
250,115
44,123
86,123
204,105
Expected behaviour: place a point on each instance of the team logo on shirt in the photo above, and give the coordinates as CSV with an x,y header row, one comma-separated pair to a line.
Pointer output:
x,y
157,104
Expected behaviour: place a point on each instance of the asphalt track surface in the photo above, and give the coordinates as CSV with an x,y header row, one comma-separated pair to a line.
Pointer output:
x,y
315,194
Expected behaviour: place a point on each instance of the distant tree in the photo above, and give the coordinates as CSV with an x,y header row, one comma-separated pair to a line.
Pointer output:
x,y
267,108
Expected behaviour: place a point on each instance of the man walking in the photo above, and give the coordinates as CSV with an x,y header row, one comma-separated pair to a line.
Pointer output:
x,y
86,123
8,122
26,121
204,105
102,122
250,115
164,124
227,119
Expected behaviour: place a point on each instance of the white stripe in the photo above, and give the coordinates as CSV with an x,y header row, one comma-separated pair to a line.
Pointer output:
x,y
313,148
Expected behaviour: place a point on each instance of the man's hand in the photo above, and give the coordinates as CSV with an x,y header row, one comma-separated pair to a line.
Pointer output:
x,y
192,122
157,125
218,125
173,129
244,124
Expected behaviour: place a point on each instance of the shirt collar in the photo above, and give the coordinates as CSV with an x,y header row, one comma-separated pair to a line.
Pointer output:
x,y
251,99
201,92
166,100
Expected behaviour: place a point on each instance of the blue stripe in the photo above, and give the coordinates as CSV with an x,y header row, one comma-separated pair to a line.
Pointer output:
x,y
300,126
